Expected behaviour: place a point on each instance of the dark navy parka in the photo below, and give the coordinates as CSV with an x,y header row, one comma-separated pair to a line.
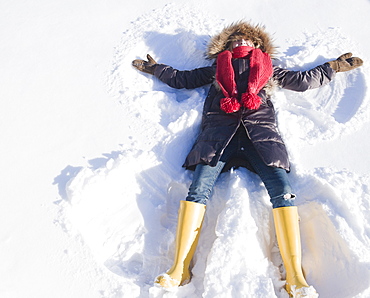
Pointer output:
x,y
218,127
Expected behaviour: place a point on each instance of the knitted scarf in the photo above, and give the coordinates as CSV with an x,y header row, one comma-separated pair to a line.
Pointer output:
x,y
260,71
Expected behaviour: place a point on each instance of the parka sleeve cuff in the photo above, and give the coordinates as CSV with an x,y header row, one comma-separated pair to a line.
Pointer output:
x,y
158,70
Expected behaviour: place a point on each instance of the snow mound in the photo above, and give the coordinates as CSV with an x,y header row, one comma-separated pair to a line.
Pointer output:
x,y
125,208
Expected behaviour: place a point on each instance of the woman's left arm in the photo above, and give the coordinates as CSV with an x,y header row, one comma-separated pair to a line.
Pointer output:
x,y
315,77
303,80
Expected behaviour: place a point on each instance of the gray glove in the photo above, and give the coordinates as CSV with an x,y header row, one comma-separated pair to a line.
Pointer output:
x,y
345,62
145,66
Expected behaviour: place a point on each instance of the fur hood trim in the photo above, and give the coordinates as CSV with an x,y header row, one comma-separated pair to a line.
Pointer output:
x,y
255,33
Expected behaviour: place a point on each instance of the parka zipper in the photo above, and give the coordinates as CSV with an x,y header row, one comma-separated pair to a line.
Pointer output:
x,y
240,122
246,130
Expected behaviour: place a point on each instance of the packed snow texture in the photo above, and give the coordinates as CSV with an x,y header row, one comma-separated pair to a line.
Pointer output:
x,y
125,205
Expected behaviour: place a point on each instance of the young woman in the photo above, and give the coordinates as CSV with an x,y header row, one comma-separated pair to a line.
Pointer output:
x,y
239,129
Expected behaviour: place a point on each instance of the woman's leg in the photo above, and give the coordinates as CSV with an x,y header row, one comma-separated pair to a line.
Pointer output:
x,y
190,218
286,222
204,179
275,179
277,184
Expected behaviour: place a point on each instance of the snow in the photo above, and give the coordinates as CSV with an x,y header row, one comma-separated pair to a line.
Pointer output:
x,y
92,151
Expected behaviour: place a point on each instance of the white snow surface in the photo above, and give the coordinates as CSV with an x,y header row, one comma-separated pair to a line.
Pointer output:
x,y
93,149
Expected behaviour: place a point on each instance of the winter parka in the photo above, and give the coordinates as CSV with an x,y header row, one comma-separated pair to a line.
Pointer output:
x,y
218,127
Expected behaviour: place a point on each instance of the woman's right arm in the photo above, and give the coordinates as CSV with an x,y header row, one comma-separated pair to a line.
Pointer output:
x,y
178,79
188,79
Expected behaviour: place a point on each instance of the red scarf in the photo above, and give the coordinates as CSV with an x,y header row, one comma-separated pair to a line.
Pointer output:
x,y
260,71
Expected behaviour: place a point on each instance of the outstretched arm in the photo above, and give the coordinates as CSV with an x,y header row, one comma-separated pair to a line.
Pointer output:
x,y
188,79
315,77
178,79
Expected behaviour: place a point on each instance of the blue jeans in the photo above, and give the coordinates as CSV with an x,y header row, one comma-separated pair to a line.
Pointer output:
x,y
275,179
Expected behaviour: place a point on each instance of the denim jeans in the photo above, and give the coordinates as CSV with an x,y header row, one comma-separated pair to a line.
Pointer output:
x,y
275,179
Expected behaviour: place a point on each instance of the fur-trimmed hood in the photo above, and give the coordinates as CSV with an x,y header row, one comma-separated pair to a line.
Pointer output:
x,y
255,33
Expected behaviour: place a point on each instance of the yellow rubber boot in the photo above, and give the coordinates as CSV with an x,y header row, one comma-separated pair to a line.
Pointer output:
x,y
188,229
289,240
